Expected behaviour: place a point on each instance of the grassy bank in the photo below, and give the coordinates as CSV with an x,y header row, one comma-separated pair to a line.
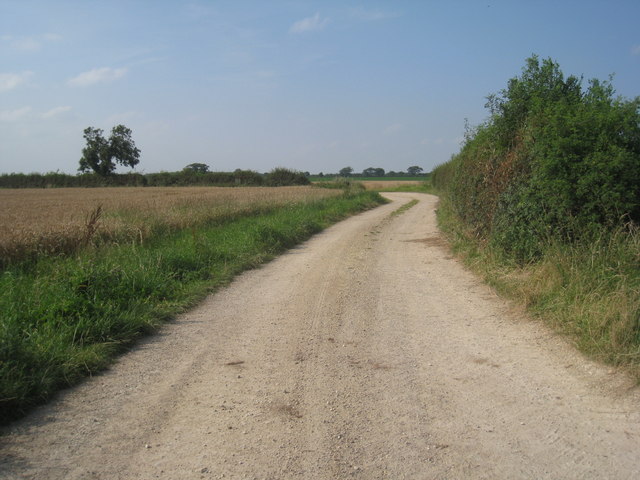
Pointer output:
x,y
65,317
588,290
543,199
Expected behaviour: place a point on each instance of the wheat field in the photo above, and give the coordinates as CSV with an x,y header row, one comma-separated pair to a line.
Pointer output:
x,y
53,221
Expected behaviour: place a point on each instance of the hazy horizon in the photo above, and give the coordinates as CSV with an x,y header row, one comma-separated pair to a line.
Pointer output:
x,y
310,85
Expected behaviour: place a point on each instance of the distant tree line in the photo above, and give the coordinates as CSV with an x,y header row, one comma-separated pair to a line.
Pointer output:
x,y
185,177
412,171
101,156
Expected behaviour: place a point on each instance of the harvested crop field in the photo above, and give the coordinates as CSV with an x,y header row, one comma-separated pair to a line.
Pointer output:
x,y
37,221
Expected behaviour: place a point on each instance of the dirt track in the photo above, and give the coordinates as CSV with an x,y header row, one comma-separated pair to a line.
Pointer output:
x,y
367,352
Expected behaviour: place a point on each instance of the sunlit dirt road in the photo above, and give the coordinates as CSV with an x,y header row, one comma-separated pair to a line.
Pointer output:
x,y
367,352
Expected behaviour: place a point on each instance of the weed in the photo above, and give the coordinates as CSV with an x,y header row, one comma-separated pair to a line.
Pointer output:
x,y
405,207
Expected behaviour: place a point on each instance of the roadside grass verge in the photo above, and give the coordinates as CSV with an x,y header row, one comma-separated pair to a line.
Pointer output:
x,y
589,291
404,208
66,317
37,223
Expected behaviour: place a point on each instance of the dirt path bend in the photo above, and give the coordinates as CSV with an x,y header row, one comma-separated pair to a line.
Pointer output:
x,y
367,352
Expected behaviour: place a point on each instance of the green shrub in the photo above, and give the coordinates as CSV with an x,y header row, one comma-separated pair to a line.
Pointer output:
x,y
279,177
553,162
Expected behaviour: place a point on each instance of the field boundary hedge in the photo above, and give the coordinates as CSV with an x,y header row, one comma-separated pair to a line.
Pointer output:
x,y
544,200
239,178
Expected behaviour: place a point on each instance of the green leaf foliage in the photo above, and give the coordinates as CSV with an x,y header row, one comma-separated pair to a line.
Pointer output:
x,y
554,161
101,155
279,177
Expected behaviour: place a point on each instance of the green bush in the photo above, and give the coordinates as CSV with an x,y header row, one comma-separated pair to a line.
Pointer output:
x,y
554,161
279,177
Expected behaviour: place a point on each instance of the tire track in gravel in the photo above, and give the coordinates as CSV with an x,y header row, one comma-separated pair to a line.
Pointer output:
x,y
367,352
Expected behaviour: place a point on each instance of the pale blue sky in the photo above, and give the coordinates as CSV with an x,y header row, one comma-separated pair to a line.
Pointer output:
x,y
310,85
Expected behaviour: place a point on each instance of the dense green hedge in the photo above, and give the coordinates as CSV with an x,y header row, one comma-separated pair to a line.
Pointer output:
x,y
277,177
554,161
280,177
62,180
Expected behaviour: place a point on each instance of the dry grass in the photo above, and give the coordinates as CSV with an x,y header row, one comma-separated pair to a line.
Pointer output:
x,y
43,221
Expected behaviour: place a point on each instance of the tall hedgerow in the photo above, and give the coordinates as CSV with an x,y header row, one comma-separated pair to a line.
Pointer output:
x,y
283,176
554,161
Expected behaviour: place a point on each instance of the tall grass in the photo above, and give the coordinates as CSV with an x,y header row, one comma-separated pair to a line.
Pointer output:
x,y
589,290
64,317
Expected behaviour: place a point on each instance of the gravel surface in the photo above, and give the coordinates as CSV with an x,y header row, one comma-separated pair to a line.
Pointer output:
x,y
367,352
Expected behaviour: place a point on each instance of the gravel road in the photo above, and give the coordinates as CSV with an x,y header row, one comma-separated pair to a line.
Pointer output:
x,y
367,352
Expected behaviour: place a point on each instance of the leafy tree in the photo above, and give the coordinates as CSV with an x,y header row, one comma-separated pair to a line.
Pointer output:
x,y
279,177
373,172
197,168
101,155
346,171
415,170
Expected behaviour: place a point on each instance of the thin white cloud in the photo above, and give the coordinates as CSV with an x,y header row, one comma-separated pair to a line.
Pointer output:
x,y
309,24
9,81
55,111
198,10
31,43
27,44
14,115
97,75
391,129
372,15
266,74
122,117
635,50
52,37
